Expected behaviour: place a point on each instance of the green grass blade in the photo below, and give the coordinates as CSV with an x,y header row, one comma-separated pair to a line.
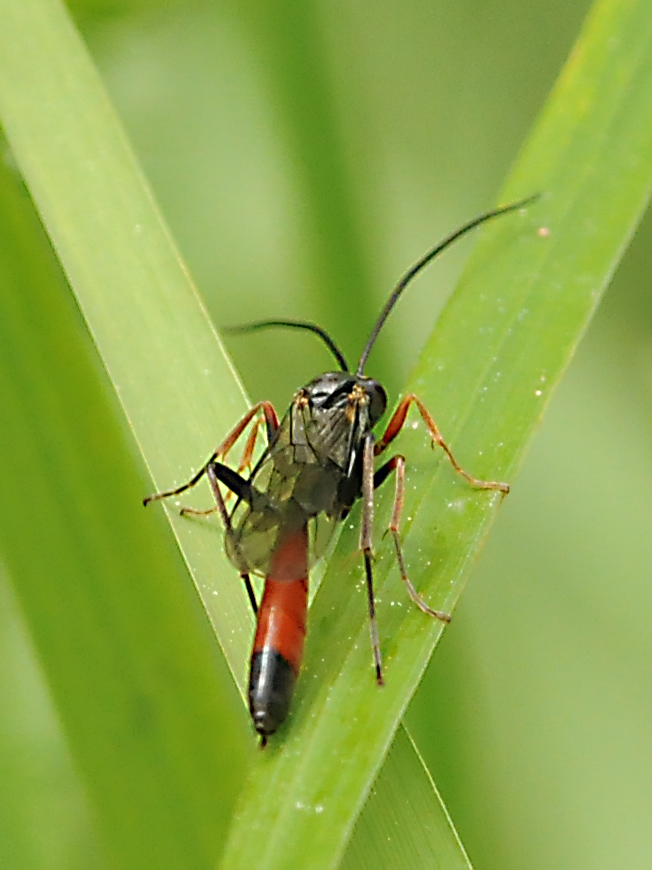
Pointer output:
x,y
43,808
159,412
153,336
499,349
175,384
124,648
404,822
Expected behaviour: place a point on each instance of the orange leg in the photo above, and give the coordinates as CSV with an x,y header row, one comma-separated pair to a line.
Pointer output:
x,y
245,460
250,446
396,424
397,464
271,420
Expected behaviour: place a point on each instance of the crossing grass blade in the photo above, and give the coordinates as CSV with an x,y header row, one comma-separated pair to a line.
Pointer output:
x,y
177,390
404,820
501,345
497,353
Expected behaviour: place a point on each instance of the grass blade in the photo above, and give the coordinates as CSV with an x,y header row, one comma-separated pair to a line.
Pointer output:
x,y
161,352
168,368
181,419
124,646
404,819
499,349
124,287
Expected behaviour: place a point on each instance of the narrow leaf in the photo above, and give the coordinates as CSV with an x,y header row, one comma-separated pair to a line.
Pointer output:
x,y
500,347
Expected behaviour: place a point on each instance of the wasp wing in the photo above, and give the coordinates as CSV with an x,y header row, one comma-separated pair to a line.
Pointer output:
x,y
296,483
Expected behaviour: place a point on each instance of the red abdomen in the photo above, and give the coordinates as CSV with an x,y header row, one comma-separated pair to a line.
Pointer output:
x,y
280,633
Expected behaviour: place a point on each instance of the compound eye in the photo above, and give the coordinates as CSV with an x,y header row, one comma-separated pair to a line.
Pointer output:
x,y
377,400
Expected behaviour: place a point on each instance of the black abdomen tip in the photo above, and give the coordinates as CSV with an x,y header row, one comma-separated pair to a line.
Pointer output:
x,y
271,686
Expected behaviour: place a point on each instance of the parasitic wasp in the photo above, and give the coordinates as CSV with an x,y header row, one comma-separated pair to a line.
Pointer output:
x,y
319,460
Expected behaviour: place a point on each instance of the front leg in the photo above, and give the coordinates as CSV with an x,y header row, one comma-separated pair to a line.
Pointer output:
x,y
396,424
271,421
216,471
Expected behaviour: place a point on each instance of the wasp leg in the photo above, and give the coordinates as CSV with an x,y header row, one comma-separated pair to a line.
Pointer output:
x,y
247,454
167,493
250,446
217,472
196,512
396,424
233,481
366,545
271,423
397,464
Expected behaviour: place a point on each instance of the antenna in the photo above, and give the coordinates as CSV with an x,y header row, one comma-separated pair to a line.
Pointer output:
x,y
295,324
419,265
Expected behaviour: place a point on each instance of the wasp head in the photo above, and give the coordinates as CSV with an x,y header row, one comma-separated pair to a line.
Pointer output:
x,y
353,395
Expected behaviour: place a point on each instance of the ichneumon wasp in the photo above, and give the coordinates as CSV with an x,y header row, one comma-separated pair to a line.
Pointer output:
x,y
318,461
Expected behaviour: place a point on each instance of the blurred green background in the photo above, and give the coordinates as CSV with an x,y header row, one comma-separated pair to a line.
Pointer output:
x,y
534,714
